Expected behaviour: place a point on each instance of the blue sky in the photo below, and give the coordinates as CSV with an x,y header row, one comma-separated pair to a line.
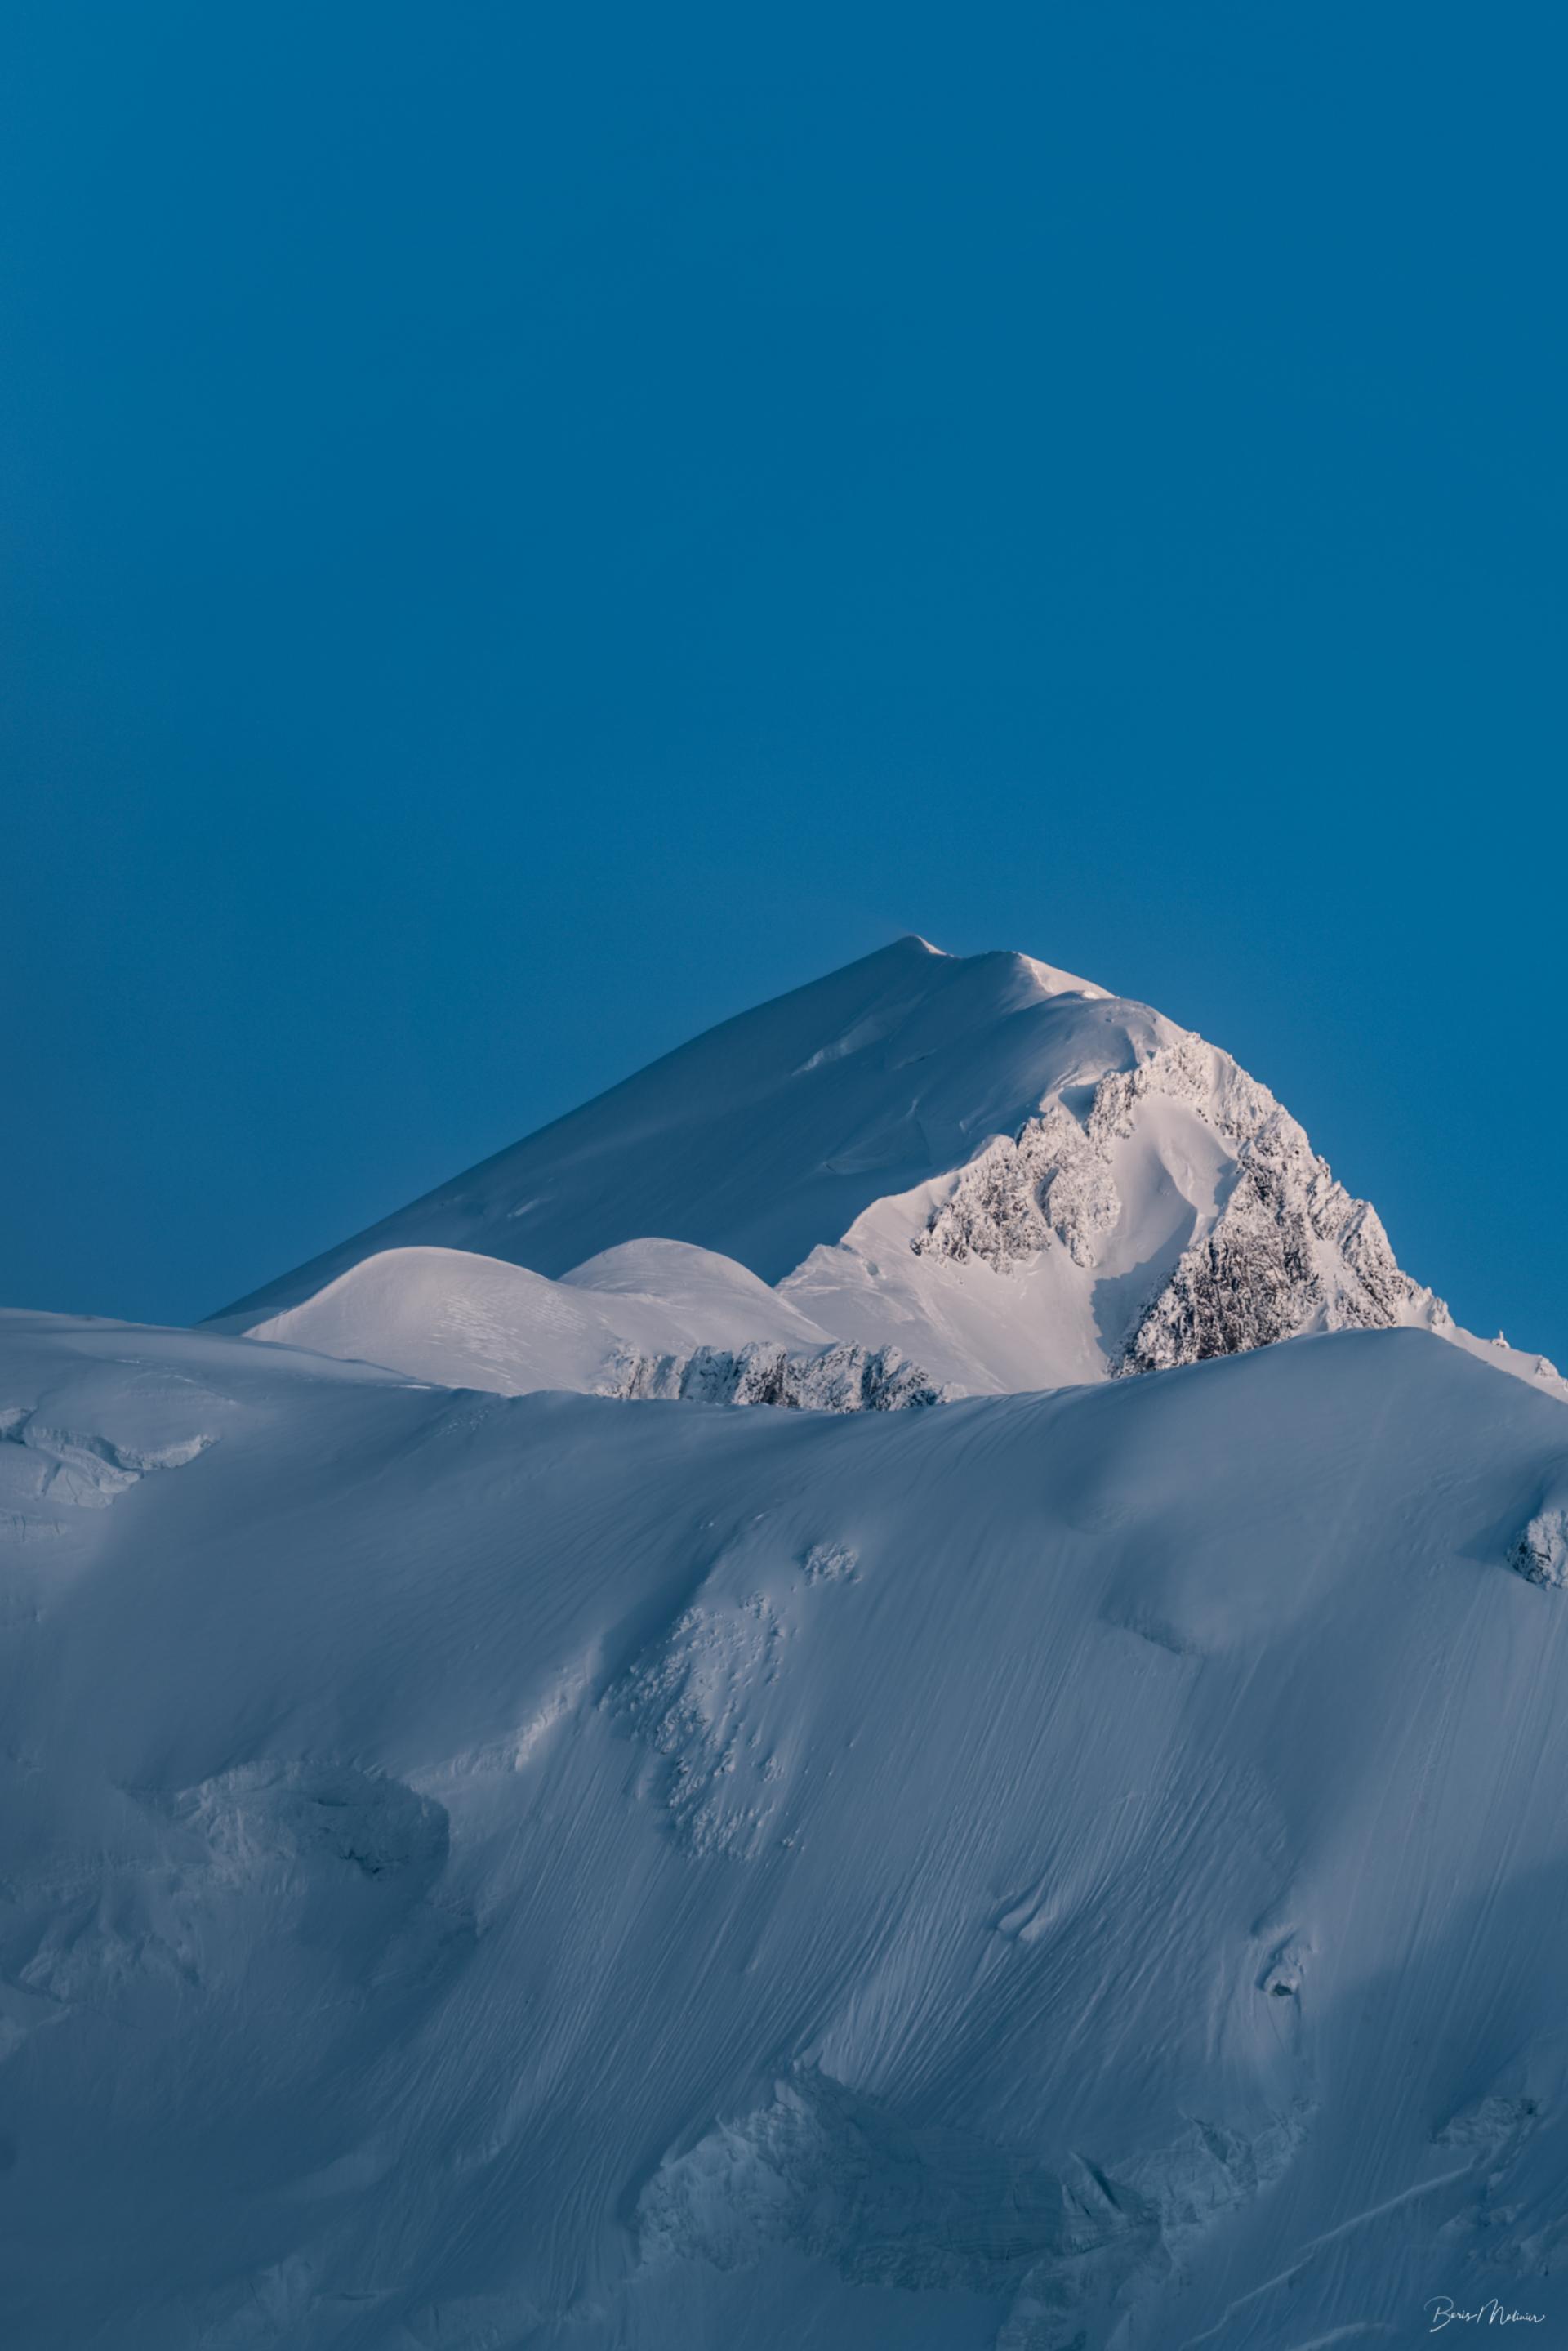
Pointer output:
x,y
528,531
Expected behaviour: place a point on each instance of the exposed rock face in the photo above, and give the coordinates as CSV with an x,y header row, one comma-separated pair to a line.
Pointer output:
x,y
1540,1553
832,1379
1288,1251
1186,1071
1050,1184
1053,1182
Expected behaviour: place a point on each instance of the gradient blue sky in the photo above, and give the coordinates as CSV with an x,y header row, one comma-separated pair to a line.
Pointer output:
x,y
526,532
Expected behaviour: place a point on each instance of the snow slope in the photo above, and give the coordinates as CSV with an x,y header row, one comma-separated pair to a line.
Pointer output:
x,y
1007,1175
709,1331
773,1132
476,1322
1071,1869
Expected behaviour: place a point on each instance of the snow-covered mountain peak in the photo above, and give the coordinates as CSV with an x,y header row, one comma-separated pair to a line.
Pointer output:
x,y
1055,982
1012,1178
772,1131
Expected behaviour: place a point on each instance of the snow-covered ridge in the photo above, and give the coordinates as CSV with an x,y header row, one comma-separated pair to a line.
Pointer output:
x,y
654,1320
483,1870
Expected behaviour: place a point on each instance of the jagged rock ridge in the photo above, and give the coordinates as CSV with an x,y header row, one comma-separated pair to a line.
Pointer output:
x,y
1288,1249
1291,1253
829,1379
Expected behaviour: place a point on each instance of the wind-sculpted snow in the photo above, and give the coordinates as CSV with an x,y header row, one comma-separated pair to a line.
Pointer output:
x,y
463,1320
1073,1869
829,1379
621,1325
47,1472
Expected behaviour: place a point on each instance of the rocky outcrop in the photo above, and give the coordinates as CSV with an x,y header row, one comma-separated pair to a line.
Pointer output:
x,y
1288,1250
841,1378
1049,1184
1540,1553
1053,1181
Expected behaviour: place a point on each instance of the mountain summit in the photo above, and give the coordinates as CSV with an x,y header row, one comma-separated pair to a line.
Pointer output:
x,y
1012,1178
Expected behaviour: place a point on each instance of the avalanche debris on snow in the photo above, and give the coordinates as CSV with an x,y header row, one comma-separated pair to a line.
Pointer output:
x,y
691,1700
269,1814
831,1563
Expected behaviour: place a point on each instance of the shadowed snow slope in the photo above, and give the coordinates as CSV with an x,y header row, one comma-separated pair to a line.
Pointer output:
x,y
1013,1178
480,1870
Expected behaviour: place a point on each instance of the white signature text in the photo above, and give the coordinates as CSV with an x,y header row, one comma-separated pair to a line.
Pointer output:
x,y
1444,2311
